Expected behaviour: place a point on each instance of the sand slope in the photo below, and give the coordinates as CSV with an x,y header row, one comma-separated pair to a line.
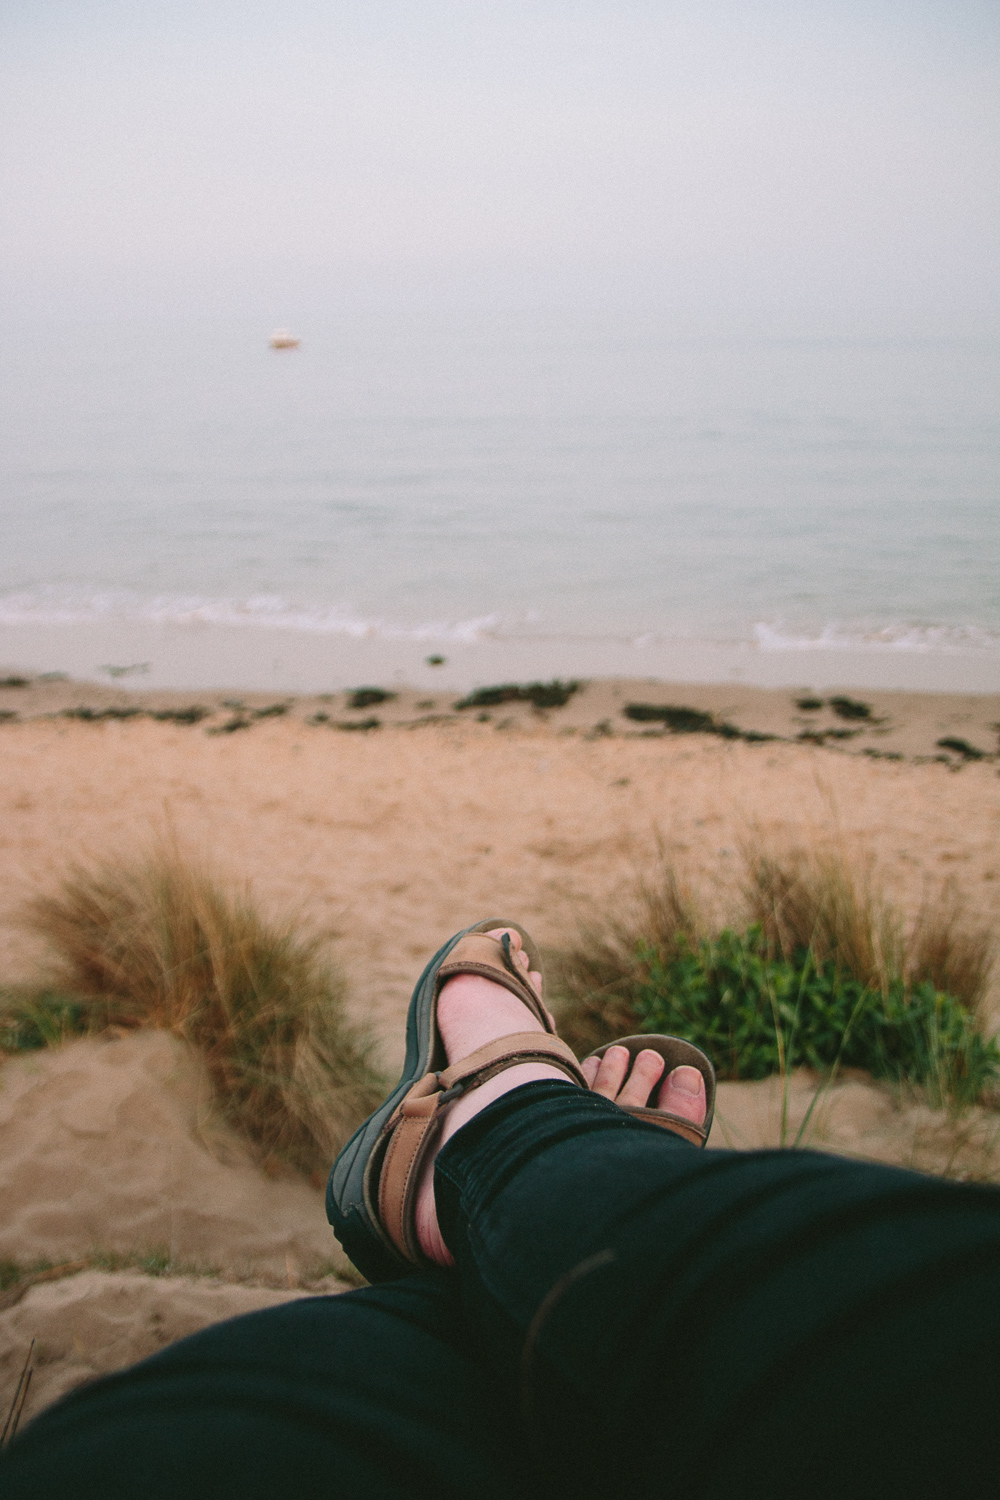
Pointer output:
x,y
858,1118
112,1146
96,1322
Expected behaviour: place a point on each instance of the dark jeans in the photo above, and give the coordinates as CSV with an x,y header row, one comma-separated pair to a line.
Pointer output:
x,y
629,1315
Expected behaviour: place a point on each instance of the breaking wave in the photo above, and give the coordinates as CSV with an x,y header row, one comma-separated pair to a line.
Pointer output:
x,y
901,636
55,606
262,611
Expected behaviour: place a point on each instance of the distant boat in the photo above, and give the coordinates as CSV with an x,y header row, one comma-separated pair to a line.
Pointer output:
x,y
282,339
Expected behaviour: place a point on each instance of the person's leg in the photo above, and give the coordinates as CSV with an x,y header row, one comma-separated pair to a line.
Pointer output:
x,y
370,1394
723,1324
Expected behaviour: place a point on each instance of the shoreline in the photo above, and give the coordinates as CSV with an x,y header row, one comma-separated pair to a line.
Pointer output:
x,y
950,727
202,657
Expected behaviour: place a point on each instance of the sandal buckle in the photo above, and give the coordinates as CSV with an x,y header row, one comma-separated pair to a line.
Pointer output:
x,y
455,1092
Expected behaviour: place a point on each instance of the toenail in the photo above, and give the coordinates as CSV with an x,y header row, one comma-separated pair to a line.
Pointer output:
x,y
686,1080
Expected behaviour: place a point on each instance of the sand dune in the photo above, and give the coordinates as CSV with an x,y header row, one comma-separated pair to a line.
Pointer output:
x,y
112,1146
96,1322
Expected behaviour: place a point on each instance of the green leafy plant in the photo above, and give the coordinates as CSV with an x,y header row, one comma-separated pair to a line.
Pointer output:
x,y
757,1013
816,971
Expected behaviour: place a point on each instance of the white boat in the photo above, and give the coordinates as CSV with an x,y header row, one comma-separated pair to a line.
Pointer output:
x,y
282,339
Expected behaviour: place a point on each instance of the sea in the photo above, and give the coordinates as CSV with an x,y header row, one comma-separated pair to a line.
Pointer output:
x,y
477,497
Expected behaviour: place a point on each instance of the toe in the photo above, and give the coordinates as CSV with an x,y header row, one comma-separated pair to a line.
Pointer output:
x,y
646,1073
683,1093
519,956
611,1072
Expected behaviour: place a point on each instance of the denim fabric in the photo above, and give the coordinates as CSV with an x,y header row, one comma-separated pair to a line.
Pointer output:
x,y
629,1316
725,1323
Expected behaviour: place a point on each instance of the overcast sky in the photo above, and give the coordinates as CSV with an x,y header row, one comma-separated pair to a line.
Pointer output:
x,y
734,165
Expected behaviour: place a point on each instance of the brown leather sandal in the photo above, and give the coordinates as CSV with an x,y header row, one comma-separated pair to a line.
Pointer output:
x,y
372,1192
675,1053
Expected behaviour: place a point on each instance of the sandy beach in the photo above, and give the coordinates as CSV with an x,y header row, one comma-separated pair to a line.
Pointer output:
x,y
386,839
390,838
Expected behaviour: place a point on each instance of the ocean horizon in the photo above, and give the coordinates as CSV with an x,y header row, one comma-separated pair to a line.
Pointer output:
x,y
524,496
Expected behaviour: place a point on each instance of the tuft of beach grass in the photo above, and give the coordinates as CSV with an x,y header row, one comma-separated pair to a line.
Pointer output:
x,y
812,967
159,942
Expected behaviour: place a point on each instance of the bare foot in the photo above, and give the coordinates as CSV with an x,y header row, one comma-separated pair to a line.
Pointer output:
x,y
472,1011
682,1092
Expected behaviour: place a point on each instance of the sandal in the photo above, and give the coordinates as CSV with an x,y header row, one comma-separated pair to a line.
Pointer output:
x,y
675,1053
372,1191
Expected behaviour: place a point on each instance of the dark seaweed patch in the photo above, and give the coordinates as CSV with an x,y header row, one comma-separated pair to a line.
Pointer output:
x,y
679,720
367,697
192,715
553,694
961,747
850,708
99,715
238,721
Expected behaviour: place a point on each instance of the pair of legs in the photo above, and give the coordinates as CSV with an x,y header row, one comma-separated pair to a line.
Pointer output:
x,y
624,1316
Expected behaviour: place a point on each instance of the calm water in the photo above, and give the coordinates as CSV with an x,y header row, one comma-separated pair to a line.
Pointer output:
x,y
505,478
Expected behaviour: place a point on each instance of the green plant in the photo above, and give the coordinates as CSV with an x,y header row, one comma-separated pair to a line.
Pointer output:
x,y
159,943
756,1013
30,1019
815,972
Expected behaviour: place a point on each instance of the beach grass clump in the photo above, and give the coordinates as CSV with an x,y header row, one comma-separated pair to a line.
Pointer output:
x,y
159,943
814,971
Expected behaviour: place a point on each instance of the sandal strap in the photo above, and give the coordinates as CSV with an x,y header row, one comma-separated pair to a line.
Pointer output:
x,y
496,1056
696,1134
415,1126
476,953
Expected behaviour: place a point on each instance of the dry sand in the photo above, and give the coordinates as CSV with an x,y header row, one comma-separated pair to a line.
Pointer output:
x,y
392,839
389,840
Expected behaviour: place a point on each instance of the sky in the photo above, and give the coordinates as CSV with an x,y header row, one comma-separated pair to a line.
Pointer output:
x,y
731,166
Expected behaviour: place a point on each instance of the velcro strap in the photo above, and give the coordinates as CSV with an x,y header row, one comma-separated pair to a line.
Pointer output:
x,y
414,1126
505,1052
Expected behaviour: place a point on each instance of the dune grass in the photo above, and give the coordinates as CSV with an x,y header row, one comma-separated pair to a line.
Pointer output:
x,y
814,969
159,943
